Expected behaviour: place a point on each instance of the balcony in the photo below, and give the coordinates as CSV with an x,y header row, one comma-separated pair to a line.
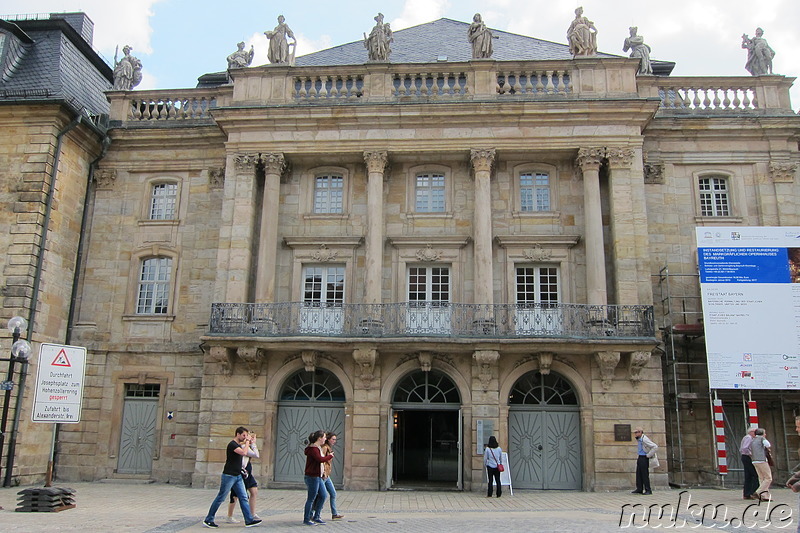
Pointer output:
x,y
429,319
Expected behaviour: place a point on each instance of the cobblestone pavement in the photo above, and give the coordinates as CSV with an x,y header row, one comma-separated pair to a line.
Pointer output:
x,y
158,508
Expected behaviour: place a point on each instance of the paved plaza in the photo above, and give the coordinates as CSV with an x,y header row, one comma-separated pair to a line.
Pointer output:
x,y
158,508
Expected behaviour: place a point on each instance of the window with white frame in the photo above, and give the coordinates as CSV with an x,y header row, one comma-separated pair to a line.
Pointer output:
x,y
163,200
714,197
328,194
429,285
534,189
323,286
429,193
537,286
154,286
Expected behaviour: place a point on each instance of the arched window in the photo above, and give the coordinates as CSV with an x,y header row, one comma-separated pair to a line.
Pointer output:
x,y
714,196
152,297
427,387
318,386
535,388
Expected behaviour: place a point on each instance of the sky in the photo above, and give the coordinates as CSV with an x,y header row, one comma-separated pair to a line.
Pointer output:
x,y
180,40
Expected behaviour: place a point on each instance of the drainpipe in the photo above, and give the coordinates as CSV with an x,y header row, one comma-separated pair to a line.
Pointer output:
x,y
12,444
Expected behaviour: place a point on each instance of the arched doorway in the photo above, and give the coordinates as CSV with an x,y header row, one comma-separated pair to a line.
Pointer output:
x,y
425,432
544,445
309,401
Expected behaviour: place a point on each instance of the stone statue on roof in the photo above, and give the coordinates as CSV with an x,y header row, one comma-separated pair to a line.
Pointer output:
x,y
635,43
127,71
481,38
582,36
378,42
281,51
240,58
759,54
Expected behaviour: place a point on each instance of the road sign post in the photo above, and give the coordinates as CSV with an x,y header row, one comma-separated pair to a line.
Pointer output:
x,y
59,384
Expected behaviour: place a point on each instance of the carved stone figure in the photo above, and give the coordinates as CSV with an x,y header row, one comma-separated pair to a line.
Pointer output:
x,y
635,43
759,54
279,45
379,40
240,58
127,71
481,38
582,36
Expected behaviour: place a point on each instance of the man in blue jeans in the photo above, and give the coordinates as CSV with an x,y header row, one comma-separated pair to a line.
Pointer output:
x,y
232,480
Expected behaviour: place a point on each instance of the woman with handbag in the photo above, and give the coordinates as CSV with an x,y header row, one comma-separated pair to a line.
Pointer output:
x,y
493,459
760,447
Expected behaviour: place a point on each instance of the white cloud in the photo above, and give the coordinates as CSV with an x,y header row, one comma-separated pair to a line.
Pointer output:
x,y
419,11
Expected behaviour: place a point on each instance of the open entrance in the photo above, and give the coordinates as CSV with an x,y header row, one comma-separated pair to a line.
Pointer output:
x,y
425,433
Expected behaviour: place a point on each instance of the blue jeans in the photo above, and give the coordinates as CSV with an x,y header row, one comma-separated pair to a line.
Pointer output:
x,y
328,485
316,497
226,485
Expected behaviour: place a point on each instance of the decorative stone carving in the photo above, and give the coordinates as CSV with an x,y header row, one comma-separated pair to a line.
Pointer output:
x,y
216,177
590,157
105,178
537,253
240,58
127,71
324,254
482,159
635,43
281,51
654,173
378,44
365,359
607,361
376,161
429,254
620,157
274,163
487,362
759,54
246,162
782,171
480,37
425,361
637,361
310,358
545,362
582,36
253,357
223,356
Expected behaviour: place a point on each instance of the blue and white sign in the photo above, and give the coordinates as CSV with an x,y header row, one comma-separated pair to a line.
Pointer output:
x,y
750,285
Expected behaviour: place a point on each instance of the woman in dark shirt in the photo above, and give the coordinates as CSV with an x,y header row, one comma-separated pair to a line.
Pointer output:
x,y
313,477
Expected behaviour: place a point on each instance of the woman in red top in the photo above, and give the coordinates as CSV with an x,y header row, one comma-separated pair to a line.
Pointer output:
x,y
313,477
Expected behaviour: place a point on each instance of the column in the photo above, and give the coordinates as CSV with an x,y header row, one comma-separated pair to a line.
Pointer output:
x,y
236,229
376,165
274,166
482,162
589,161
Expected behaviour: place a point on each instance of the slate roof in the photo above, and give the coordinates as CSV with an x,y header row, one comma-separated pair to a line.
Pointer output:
x,y
57,65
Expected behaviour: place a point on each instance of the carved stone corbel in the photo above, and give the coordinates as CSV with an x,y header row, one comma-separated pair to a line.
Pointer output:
x,y
654,173
105,178
545,361
487,362
223,356
365,359
253,357
425,360
782,171
310,358
637,361
607,361
216,177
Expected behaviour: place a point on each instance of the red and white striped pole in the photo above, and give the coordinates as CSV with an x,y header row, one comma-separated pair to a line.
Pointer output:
x,y
752,415
719,428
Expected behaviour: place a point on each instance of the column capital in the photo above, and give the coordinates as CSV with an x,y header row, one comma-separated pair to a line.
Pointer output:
x,y
590,158
376,161
782,171
246,161
274,163
482,159
620,157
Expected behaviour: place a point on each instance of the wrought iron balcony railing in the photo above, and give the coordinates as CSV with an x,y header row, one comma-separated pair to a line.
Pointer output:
x,y
431,319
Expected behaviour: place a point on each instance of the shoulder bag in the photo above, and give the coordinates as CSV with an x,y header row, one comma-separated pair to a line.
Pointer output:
x,y
500,466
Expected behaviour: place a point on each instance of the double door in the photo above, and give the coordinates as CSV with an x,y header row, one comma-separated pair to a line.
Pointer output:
x,y
544,449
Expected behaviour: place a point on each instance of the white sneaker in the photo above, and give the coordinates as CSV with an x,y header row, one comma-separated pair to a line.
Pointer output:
x,y
256,517
231,520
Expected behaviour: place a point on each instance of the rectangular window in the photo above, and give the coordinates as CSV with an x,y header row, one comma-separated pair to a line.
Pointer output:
x,y
146,390
323,286
537,285
154,286
429,285
328,194
534,190
163,200
429,193
714,197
